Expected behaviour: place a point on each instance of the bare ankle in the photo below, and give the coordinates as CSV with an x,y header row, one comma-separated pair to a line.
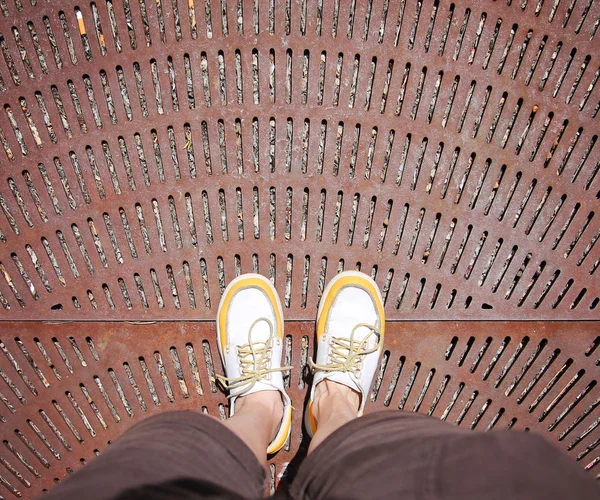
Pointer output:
x,y
266,403
333,399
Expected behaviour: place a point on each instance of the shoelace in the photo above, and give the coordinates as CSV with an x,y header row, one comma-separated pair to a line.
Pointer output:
x,y
346,353
255,358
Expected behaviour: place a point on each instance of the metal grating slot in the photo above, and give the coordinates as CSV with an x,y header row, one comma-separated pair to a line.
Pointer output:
x,y
150,152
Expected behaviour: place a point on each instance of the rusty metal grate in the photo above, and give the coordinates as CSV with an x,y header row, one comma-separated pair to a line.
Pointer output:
x,y
153,150
72,389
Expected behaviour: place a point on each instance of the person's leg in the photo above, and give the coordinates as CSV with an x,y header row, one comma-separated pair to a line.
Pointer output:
x,y
350,332
396,454
250,339
175,454
404,455
186,454
256,421
334,405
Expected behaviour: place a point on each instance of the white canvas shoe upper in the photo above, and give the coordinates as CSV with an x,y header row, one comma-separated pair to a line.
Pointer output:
x,y
250,339
350,331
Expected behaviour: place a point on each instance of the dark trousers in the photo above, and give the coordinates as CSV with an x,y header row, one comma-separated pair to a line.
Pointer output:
x,y
389,454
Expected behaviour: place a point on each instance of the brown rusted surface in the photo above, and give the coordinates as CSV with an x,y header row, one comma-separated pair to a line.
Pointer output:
x,y
151,151
479,375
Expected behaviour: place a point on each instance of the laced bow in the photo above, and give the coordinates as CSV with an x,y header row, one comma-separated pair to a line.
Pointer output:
x,y
346,352
254,359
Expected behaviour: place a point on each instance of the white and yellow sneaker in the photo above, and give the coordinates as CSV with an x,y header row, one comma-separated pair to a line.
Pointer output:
x,y
350,331
250,339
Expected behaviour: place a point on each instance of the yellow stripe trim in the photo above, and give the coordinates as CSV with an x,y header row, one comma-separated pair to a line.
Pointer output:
x,y
311,417
337,287
275,446
240,285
